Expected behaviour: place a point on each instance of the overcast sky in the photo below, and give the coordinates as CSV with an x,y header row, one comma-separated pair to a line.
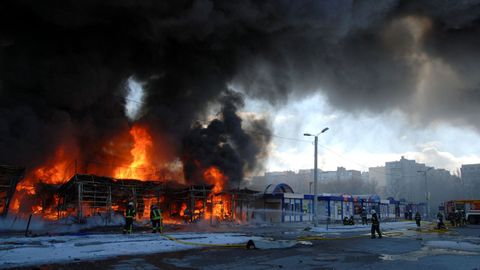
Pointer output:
x,y
360,141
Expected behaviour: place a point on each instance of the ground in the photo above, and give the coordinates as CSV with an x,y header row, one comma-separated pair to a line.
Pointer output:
x,y
286,246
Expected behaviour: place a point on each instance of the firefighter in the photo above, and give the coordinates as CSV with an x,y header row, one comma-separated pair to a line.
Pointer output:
x,y
451,217
375,225
351,221
440,224
458,218
418,218
345,221
156,218
462,218
364,216
129,216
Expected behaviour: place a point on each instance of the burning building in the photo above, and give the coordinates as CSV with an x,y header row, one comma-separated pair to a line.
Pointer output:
x,y
9,177
64,189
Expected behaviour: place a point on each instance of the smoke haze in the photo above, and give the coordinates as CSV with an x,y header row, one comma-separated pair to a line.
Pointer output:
x,y
64,66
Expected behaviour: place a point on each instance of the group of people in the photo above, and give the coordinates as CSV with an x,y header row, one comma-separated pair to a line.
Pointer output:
x,y
457,219
155,218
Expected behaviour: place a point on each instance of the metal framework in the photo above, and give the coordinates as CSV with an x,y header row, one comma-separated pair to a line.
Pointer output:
x,y
9,177
87,195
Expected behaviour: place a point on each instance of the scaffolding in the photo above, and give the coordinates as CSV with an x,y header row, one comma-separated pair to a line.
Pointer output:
x,y
9,178
87,195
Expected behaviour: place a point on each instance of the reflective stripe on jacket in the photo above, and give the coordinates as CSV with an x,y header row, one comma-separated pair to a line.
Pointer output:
x,y
155,214
375,219
130,213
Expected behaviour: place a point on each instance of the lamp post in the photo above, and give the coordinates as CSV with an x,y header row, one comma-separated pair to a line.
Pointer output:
x,y
427,197
314,217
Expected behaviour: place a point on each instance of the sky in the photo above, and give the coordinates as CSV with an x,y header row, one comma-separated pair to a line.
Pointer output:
x,y
389,78
359,141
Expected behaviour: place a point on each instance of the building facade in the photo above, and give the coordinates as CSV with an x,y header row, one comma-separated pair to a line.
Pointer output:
x,y
470,175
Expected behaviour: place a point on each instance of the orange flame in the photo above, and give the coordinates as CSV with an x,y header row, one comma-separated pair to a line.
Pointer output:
x,y
215,177
141,166
182,209
221,205
56,170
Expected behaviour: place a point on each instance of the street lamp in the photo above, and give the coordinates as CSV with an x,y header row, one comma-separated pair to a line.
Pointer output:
x,y
427,197
314,217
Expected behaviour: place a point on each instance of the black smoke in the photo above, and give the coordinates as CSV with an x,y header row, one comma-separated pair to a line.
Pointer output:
x,y
64,65
224,144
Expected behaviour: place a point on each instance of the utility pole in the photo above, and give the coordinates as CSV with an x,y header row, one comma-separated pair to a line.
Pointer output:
x,y
315,177
427,195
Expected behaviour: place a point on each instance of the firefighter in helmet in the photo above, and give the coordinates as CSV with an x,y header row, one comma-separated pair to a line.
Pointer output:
x,y
129,216
156,219
375,225
418,218
364,216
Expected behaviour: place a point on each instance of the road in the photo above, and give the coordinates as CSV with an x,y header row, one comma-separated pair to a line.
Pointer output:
x,y
458,248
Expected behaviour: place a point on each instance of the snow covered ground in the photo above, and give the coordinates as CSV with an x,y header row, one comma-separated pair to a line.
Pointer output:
x,y
340,228
21,251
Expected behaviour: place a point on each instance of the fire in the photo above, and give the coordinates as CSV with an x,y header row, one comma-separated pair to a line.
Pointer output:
x,y
139,161
182,209
56,170
215,177
221,205
141,166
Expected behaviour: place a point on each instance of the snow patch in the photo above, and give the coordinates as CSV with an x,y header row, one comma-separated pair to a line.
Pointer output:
x,y
21,251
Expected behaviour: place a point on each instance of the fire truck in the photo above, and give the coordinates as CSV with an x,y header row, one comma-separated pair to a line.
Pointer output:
x,y
471,209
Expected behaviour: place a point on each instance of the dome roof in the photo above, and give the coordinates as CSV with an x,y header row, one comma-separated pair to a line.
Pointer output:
x,y
278,189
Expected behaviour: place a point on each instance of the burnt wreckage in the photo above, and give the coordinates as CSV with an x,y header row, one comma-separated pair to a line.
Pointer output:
x,y
87,195
9,178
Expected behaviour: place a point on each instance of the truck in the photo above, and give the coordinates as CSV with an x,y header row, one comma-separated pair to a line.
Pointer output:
x,y
471,208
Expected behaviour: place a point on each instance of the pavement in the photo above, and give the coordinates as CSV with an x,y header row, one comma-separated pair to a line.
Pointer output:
x,y
298,246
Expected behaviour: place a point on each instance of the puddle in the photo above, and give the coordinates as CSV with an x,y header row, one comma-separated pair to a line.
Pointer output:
x,y
454,245
327,258
425,252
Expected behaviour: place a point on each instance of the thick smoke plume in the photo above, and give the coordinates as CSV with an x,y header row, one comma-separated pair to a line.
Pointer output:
x,y
223,144
64,65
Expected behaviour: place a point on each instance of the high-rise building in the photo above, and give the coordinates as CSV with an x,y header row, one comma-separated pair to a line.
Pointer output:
x,y
404,179
470,174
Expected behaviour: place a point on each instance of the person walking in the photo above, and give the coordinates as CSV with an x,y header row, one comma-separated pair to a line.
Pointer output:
x,y
364,216
440,224
375,225
129,216
418,218
156,219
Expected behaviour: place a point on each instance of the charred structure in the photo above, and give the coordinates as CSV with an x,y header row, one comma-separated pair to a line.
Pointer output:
x,y
9,177
85,195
